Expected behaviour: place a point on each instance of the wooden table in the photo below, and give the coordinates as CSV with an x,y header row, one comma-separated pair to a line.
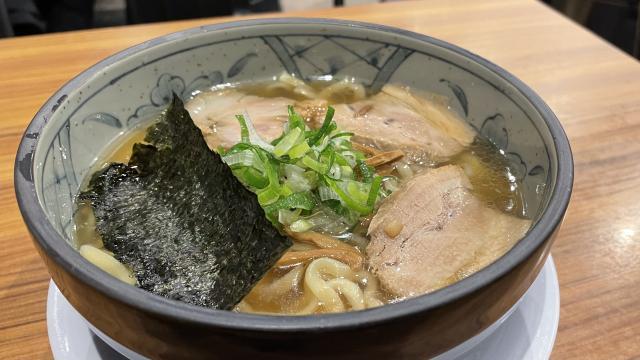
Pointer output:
x,y
592,87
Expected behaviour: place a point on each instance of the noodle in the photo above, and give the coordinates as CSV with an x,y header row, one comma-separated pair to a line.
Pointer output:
x,y
296,85
371,289
350,290
313,279
104,260
343,91
284,284
328,285
311,306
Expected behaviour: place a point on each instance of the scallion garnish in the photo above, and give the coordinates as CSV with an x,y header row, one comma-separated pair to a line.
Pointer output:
x,y
304,170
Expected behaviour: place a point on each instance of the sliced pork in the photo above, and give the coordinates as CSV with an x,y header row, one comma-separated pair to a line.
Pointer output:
x,y
395,119
434,231
215,114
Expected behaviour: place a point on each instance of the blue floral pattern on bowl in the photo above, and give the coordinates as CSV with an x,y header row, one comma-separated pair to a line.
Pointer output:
x,y
128,92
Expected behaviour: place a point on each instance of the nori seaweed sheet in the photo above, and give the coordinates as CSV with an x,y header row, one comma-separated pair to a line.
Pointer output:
x,y
179,218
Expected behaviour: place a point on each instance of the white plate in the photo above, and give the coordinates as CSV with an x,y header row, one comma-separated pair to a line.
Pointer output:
x,y
526,332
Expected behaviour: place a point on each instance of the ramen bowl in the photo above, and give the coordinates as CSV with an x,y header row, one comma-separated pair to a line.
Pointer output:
x,y
101,104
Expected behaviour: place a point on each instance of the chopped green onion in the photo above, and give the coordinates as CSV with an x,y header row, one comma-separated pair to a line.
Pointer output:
x,y
346,172
341,160
332,158
346,199
374,191
326,193
287,142
299,150
314,165
251,177
358,191
299,200
350,158
312,178
342,134
335,172
249,134
290,169
268,196
365,170
243,158
296,179
325,128
390,183
306,177
295,120
286,190
300,226
244,131
286,217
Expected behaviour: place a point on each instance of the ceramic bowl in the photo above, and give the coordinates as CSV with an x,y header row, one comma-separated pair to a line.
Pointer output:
x,y
98,106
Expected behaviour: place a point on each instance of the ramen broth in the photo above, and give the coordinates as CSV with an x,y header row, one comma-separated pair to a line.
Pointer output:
x,y
289,288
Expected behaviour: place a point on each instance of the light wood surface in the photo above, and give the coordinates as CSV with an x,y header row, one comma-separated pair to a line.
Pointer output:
x,y
592,87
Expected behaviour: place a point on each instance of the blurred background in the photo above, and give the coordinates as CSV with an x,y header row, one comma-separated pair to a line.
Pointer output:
x,y
617,21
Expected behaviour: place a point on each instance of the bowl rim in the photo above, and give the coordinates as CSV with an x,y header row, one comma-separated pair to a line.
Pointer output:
x,y
65,256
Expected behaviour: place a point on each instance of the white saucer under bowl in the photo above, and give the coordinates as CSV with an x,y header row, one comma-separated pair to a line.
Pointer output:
x,y
527,331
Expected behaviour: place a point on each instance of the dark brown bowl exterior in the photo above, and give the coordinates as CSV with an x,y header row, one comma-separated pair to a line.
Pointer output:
x,y
418,336
419,327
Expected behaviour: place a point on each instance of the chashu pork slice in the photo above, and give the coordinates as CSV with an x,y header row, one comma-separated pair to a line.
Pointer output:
x,y
215,114
434,231
396,119
390,120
